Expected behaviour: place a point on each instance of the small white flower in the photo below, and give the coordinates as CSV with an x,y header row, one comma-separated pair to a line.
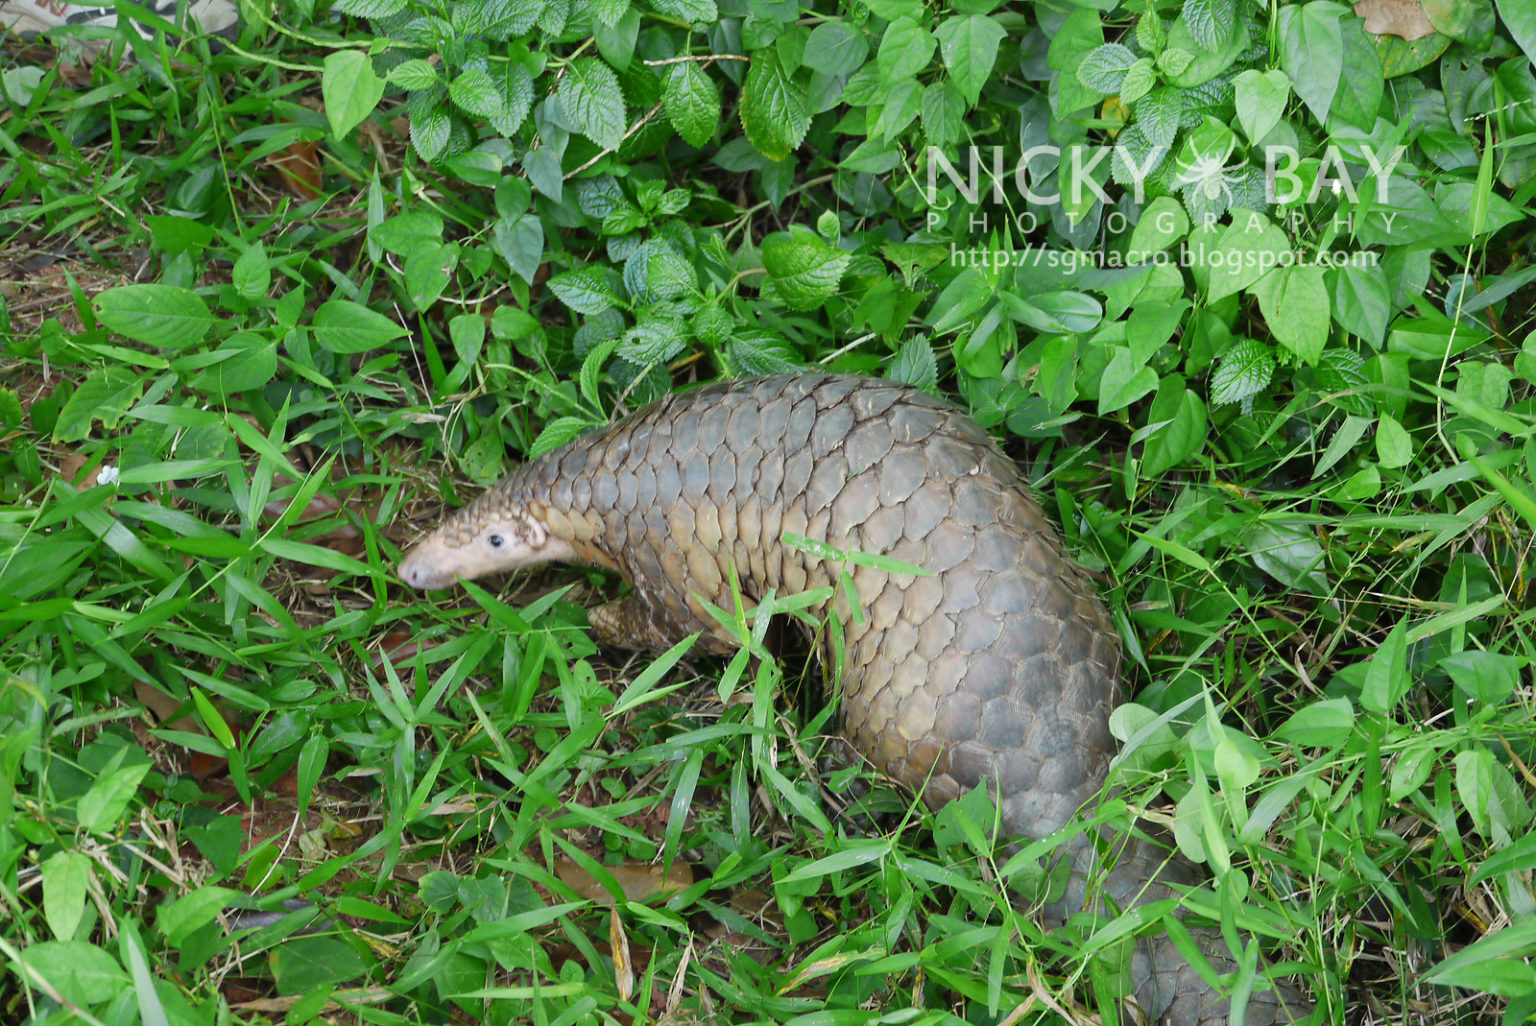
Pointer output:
x,y
107,474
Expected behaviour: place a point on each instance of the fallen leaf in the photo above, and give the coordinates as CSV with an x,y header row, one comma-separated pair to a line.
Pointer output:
x,y
638,881
1402,18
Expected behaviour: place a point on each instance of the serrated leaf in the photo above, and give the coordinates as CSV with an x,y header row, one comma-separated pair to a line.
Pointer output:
x,y
414,73
1139,80
476,93
805,270
163,316
655,340
692,103
1244,371
969,45
517,100
350,88
430,124
590,95
369,8
691,11
1159,113
1104,67
503,19
669,275
586,290
342,326
1210,22
756,351
773,109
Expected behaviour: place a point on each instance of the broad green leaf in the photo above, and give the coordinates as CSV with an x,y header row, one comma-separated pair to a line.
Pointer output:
x,y
1295,305
1246,250
1312,52
1490,795
969,45
1519,18
342,326
1162,223
915,364
1358,99
502,19
405,233
1386,674
1260,97
943,113
1324,724
1394,448
905,50
654,340
1488,678
692,103
1289,554
773,110
1182,416
755,351
350,88
101,808
78,972
590,94
1362,300
835,48
105,396
163,316
1498,963
247,361
66,876
252,274
1124,381
177,919
1159,115
413,74
370,8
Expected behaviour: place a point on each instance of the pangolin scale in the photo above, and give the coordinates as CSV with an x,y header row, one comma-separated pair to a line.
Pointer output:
x,y
1000,665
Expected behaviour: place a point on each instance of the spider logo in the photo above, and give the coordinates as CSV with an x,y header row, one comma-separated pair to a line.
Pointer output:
x,y
1208,176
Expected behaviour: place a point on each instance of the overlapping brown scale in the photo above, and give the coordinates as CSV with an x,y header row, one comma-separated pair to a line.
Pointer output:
x,y
999,665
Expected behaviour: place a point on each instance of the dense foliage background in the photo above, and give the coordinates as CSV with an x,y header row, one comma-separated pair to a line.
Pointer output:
x,y
1246,286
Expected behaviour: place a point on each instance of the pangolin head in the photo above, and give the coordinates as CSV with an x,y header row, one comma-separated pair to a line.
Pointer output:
x,y
490,535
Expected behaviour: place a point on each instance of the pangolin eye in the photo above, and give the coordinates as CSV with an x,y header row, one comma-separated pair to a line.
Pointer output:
x,y
495,540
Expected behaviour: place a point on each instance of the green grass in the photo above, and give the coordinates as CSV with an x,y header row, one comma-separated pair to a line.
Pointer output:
x,y
1306,494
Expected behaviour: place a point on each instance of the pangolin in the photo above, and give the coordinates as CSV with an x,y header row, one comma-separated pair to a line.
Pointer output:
x,y
1000,664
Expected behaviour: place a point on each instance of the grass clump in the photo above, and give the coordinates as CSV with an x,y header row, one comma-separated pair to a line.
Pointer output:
x,y
1250,301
